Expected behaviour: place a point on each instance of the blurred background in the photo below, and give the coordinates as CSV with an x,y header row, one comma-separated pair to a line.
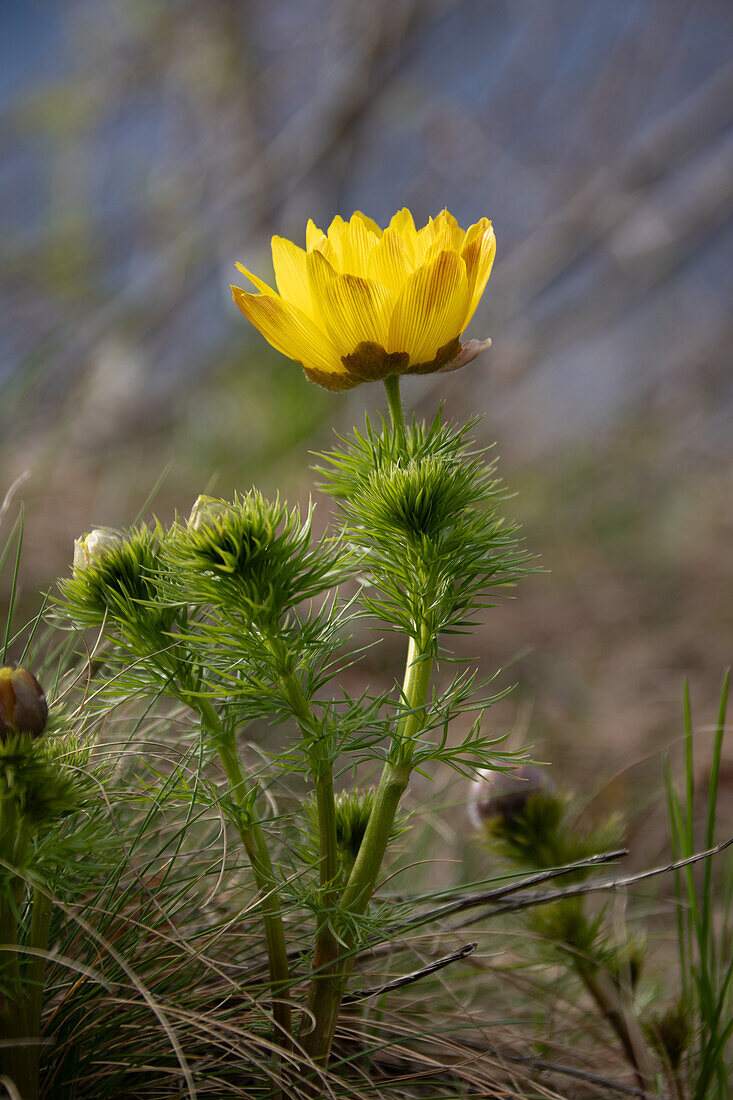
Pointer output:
x,y
148,144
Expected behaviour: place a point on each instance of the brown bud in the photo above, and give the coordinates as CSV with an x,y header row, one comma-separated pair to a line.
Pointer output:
x,y
500,795
23,706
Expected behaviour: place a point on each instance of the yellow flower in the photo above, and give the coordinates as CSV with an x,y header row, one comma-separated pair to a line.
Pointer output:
x,y
360,303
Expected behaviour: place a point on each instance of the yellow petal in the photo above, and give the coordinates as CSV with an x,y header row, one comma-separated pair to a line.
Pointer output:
x,y
254,279
335,233
357,241
404,226
319,271
360,302
389,262
423,241
368,222
445,220
289,330
477,229
431,308
355,311
442,242
312,234
324,246
403,223
290,274
478,252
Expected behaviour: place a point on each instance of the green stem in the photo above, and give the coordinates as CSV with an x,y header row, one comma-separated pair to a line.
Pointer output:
x,y
328,992
326,945
322,770
8,822
18,1059
394,780
35,975
24,834
394,399
40,925
253,839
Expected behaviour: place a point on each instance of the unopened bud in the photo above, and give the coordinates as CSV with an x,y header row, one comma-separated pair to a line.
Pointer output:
x,y
206,511
353,810
90,548
504,795
23,706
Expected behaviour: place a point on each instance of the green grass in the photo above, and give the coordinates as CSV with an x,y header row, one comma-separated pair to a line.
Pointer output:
x,y
704,923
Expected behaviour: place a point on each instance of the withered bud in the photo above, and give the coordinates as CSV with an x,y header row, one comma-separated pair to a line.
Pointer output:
x,y
90,548
504,795
23,706
207,510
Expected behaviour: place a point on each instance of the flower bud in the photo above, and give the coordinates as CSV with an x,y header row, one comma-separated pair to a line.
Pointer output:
x,y
353,810
90,548
504,795
206,511
23,706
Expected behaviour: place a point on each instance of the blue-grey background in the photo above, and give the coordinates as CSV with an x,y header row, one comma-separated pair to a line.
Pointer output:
x,y
146,145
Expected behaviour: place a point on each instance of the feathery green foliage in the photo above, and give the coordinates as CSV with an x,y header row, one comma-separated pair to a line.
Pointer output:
x,y
206,881
422,510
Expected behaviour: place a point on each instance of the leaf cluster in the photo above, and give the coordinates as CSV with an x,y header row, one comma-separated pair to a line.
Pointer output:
x,y
251,556
35,777
122,590
214,608
237,612
423,516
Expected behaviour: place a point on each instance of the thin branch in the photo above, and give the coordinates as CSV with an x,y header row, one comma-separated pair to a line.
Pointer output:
x,y
415,976
566,1071
471,901
459,1048
594,887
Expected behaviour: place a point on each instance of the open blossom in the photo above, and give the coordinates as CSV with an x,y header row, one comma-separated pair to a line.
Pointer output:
x,y
360,303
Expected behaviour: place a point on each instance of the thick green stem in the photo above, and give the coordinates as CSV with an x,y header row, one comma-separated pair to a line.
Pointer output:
x,y
394,399
328,992
40,925
394,780
8,827
33,982
14,1053
18,1058
253,839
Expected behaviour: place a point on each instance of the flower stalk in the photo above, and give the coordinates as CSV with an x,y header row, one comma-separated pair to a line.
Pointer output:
x,y
255,845
326,947
329,987
38,941
394,399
